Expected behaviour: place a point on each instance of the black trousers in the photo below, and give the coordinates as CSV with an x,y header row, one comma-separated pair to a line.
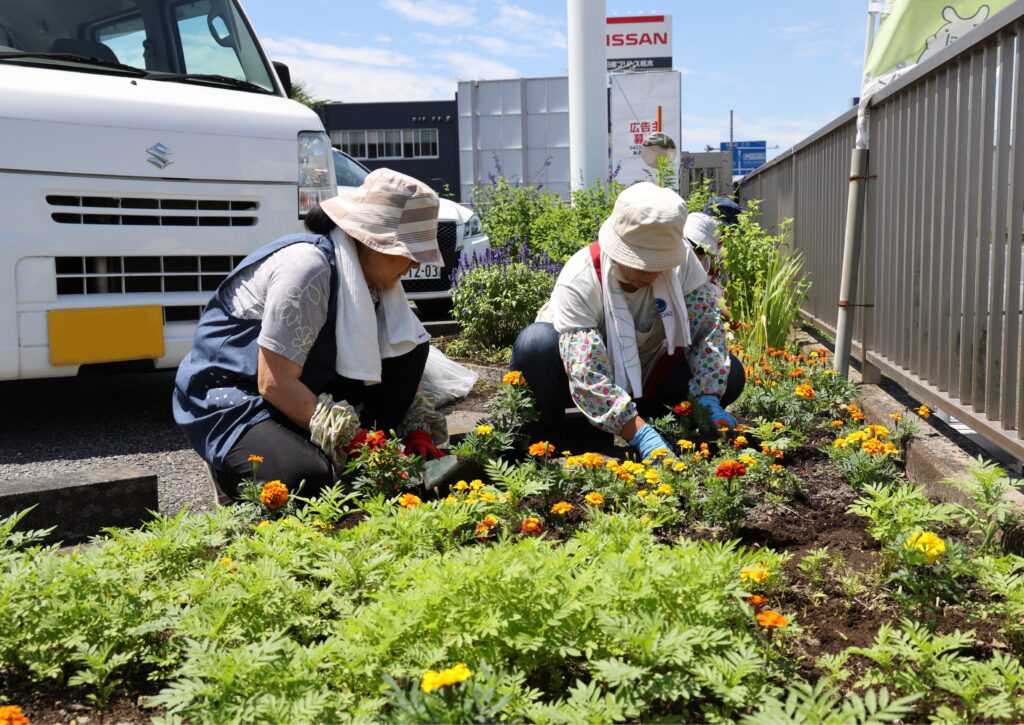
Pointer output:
x,y
290,457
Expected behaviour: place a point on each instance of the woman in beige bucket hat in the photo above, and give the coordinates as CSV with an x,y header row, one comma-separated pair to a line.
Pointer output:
x,y
632,327
310,342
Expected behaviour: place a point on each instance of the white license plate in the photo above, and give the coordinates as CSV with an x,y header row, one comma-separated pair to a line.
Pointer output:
x,y
427,271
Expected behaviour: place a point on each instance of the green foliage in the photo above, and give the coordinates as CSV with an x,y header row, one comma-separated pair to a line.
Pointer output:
x,y
991,513
516,214
665,174
863,470
896,510
701,192
482,698
822,705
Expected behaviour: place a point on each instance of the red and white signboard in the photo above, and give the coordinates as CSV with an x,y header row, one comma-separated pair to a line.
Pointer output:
x,y
639,42
642,103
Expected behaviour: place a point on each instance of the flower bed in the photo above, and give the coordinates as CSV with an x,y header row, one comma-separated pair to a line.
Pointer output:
x,y
784,571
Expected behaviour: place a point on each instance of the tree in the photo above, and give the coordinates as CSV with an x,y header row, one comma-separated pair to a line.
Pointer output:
x,y
305,95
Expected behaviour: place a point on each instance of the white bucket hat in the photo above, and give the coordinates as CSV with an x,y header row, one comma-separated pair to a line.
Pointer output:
x,y
701,231
645,229
391,213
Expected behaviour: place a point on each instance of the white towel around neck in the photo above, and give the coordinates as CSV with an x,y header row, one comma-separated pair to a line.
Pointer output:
x,y
670,286
365,334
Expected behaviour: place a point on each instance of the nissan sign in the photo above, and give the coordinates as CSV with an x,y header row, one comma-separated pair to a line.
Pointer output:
x,y
639,43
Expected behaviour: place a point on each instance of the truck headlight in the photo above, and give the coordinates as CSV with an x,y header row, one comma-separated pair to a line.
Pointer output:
x,y
473,227
316,170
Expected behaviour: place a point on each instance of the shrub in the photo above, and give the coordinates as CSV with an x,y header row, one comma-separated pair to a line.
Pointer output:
x,y
496,295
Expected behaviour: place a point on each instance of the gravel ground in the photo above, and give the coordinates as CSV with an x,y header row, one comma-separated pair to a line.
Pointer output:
x,y
69,425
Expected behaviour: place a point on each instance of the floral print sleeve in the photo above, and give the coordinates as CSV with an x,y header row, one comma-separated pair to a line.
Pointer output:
x,y
708,355
591,381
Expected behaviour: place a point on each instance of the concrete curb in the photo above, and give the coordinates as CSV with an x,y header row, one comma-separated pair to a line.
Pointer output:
x,y
931,457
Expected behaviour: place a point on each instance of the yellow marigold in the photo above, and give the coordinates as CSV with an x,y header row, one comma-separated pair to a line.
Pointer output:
x,y
594,499
837,423
274,495
409,500
679,467
484,430
877,431
449,499
263,524
748,461
924,411
488,496
433,680
513,377
840,442
804,391
651,476
541,449
12,715
685,445
476,484
890,448
658,453
757,573
777,425
896,416
739,441
775,467
663,490
253,458
561,508
830,372
642,492
858,436
461,486
927,543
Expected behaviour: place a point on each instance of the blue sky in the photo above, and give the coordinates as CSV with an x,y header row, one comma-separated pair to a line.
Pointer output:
x,y
785,68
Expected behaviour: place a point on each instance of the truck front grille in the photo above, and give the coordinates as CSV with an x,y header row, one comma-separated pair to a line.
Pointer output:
x,y
151,211
128,275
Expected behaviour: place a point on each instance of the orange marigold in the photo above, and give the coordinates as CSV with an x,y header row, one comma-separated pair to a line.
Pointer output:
x,y
12,715
757,600
730,469
483,529
274,495
594,499
542,449
924,411
253,458
409,500
561,508
531,527
770,618
804,391
513,377
684,408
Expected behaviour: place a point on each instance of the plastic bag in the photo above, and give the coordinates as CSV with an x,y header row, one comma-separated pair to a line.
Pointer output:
x,y
445,378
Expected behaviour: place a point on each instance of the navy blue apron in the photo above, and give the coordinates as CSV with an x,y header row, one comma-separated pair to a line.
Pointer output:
x,y
216,398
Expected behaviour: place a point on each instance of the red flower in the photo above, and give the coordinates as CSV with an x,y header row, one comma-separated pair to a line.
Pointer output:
x,y
376,440
684,408
730,469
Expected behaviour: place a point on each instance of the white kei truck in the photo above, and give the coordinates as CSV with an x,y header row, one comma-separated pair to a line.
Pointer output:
x,y
146,147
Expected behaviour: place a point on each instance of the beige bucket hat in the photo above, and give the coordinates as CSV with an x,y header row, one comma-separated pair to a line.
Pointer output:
x,y
391,213
645,229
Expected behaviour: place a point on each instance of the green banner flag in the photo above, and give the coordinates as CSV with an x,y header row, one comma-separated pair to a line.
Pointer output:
x,y
917,29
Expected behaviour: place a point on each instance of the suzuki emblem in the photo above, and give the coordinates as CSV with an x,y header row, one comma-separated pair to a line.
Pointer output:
x,y
160,156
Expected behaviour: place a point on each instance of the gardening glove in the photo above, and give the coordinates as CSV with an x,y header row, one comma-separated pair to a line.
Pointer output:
x,y
423,416
647,440
333,427
419,443
717,412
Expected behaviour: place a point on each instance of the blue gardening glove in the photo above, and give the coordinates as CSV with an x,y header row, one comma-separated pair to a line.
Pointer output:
x,y
714,407
647,440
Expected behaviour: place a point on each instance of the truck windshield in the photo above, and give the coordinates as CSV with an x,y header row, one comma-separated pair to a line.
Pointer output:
x,y
186,40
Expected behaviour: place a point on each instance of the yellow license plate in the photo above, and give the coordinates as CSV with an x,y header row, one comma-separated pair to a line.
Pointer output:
x,y
107,334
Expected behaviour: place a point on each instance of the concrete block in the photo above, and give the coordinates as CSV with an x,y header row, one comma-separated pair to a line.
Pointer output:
x,y
80,506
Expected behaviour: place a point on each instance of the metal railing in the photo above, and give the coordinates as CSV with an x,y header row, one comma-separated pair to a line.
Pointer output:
x,y
940,269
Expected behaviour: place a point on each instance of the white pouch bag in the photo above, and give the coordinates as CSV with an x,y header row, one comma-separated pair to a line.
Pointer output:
x,y
445,378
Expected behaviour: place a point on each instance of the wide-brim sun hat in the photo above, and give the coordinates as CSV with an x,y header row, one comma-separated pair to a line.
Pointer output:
x,y
391,213
645,228
701,231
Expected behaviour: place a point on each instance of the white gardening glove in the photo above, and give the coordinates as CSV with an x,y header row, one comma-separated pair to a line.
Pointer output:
x,y
332,427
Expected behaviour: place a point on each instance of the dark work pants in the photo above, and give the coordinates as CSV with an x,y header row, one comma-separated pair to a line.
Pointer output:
x,y
536,355
288,454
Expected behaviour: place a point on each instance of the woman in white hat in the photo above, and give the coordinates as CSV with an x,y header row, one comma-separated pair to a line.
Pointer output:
x,y
632,326
310,342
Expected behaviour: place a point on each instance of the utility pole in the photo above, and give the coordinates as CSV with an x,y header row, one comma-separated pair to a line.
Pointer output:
x,y
588,93
732,154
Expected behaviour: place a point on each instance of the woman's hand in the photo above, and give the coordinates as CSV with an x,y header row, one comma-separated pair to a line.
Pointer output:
x,y
277,379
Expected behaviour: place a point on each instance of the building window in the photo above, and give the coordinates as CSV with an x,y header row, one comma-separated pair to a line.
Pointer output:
x,y
407,143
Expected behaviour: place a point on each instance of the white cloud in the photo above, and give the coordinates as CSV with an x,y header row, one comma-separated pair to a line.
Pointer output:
x,y
804,28
501,46
297,47
434,13
526,26
382,38
431,39
470,65
353,83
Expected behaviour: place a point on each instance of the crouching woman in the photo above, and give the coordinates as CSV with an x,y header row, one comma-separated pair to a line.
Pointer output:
x,y
310,342
632,326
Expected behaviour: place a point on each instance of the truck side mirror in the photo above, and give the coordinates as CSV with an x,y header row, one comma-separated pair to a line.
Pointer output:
x,y
285,76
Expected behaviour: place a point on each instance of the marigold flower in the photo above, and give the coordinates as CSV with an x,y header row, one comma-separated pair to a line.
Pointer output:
x,y
663,490
651,476
263,524
488,496
722,428
927,543
376,440
896,416
513,377
476,484
757,600
857,415
796,373
433,680
837,423
561,508
461,486
840,442
685,445
531,526
873,446
775,467
684,408
484,430
253,458
739,441
770,618
758,573
924,411
274,495
730,469
483,529
409,500
831,373
642,492
541,449
594,499
12,715
658,453
679,467
804,391
777,425
748,461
